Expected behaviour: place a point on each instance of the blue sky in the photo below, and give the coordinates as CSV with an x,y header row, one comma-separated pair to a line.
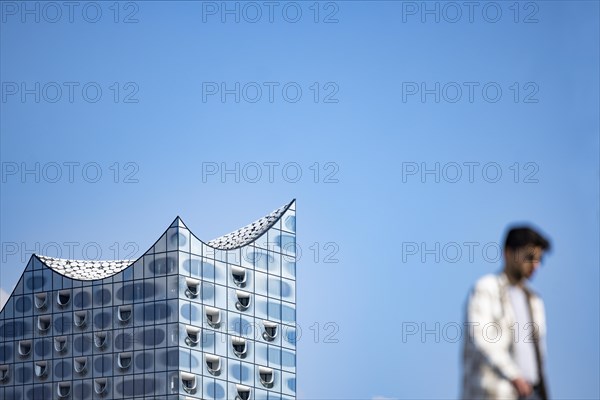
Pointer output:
x,y
411,134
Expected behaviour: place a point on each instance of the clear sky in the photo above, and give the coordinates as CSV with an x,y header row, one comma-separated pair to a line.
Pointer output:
x,y
411,134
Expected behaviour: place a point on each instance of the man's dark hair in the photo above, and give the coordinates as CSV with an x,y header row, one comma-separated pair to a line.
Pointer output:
x,y
521,236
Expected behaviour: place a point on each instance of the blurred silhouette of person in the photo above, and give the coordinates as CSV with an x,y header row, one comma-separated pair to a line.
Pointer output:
x,y
506,326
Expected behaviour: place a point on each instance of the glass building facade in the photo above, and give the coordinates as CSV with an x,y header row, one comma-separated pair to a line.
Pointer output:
x,y
187,320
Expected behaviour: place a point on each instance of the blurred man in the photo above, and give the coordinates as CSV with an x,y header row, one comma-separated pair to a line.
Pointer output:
x,y
506,327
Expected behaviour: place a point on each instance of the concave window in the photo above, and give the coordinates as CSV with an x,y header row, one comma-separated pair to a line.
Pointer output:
x,y
192,287
43,323
270,332
213,316
239,346
243,300
4,372
24,348
213,363
63,297
243,392
267,377
80,365
80,318
63,389
100,339
189,382
124,360
239,275
41,301
192,335
124,313
100,385
41,369
60,343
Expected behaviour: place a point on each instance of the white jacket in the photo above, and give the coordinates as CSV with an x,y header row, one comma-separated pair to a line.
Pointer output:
x,y
488,358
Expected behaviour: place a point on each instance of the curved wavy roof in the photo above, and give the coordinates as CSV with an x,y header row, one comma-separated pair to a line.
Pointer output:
x,y
87,270
250,232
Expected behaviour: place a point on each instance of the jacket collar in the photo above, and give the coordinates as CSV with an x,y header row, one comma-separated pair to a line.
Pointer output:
x,y
504,283
503,279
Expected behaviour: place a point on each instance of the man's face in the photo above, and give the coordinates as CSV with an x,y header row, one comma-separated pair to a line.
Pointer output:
x,y
523,262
